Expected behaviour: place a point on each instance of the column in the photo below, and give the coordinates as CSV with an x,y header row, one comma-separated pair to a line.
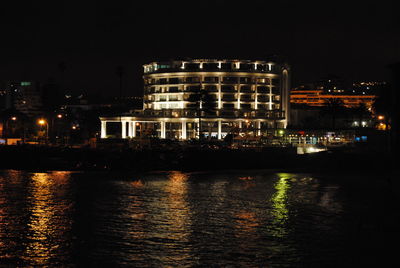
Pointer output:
x,y
103,134
285,99
184,130
270,94
219,129
219,92
256,97
258,128
162,130
240,124
238,94
123,129
133,129
130,129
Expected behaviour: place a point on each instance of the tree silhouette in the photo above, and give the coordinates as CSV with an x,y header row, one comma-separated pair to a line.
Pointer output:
x,y
362,112
204,104
62,67
382,104
333,107
14,127
120,73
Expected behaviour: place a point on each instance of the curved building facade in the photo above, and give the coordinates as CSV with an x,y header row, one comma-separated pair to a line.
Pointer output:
x,y
188,98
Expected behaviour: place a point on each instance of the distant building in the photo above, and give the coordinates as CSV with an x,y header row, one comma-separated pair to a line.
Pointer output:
x,y
188,98
3,96
368,87
326,90
331,85
24,96
320,98
311,103
315,117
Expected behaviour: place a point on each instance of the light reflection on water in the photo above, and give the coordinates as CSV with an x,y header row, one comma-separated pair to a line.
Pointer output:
x,y
38,219
173,219
280,211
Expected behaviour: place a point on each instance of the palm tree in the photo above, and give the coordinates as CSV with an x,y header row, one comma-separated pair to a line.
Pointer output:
x,y
382,104
62,66
362,112
204,104
14,123
333,107
120,73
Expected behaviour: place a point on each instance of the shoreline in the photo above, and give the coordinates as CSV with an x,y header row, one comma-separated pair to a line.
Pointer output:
x,y
44,159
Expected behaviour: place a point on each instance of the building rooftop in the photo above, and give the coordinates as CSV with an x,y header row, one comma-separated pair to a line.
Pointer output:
x,y
230,65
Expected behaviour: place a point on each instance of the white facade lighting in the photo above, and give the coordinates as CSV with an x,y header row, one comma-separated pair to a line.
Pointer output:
x,y
162,106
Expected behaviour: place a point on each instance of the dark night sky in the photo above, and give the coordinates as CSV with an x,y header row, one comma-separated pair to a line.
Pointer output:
x,y
352,39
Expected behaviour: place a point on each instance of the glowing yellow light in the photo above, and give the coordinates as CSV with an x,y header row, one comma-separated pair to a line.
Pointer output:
x,y
41,122
73,127
13,118
381,117
137,124
59,116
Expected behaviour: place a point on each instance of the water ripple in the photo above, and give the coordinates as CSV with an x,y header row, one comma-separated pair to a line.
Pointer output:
x,y
176,219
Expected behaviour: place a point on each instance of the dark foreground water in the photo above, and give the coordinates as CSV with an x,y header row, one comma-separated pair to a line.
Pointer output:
x,y
175,219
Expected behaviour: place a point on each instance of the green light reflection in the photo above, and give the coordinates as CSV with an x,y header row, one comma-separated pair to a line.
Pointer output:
x,y
280,211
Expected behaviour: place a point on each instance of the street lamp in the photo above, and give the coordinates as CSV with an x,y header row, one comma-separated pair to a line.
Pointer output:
x,y
55,126
7,126
43,122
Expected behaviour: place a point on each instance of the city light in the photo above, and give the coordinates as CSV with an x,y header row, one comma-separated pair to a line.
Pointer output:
x,y
252,133
42,122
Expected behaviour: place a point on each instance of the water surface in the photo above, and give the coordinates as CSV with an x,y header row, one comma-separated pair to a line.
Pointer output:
x,y
211,219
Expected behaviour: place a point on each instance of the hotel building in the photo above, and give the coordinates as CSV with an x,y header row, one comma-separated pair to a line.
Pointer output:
x,y
185,99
